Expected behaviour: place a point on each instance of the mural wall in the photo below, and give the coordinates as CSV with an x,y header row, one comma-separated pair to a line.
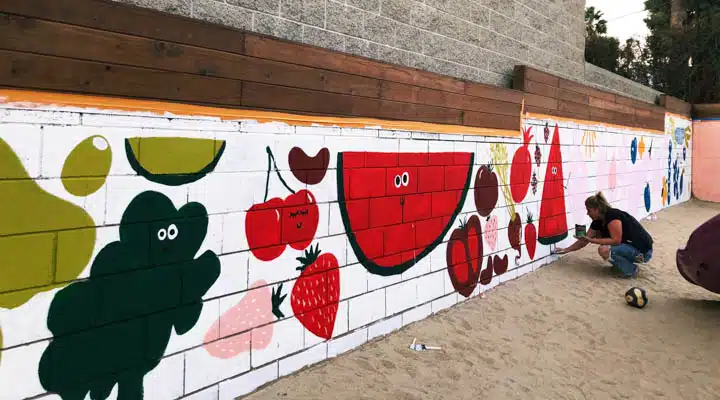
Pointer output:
x,y
158,257
706,162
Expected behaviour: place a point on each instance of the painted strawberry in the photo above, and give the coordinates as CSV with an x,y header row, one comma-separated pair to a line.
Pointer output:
x,y
530,236
316,292
534,182
538,155
546,131
254,313
490,232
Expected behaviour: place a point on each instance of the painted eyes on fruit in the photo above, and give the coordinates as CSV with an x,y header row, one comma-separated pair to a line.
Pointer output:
x,y
554,170
170,233
402,180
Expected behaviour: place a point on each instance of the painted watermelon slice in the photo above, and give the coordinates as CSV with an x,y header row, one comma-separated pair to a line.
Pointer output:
x,y
553,218
397,207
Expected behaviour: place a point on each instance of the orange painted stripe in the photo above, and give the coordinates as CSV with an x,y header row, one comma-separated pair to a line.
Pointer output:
x,y
35,99
588,122
685,117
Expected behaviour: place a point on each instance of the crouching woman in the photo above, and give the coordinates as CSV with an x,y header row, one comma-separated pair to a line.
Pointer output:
x,y
621,238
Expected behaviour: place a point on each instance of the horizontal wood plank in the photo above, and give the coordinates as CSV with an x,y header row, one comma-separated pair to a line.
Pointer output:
x,y
572,86
25,70
675,105
574,108
651,122
476,89
612,106
122,18
626,101
556,113
706,110
540,89
600,94
540,101
39,36
317,57
485,120
265,96
532,74
414,94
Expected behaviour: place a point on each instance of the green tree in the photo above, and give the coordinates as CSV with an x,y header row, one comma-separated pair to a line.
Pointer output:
x,y
696,38
701,41
634,62
600,49
594,22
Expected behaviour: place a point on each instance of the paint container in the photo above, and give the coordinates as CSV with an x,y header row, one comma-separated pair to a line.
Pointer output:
x,y
580,230
421,346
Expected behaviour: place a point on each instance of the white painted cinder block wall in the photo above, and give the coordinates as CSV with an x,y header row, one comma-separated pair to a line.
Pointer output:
x,y
370,305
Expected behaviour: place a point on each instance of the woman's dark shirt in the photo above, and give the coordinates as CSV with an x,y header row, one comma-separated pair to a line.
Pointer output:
x,y
633,232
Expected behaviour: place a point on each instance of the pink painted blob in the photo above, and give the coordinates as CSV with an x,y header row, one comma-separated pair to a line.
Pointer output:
x,y
255,309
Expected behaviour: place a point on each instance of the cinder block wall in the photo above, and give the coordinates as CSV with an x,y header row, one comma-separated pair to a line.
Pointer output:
x,y
469,39
137,256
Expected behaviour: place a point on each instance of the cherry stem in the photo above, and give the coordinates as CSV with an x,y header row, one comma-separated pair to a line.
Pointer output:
x,y
271,165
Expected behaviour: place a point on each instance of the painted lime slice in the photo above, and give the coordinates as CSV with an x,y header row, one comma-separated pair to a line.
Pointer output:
x,y
173,161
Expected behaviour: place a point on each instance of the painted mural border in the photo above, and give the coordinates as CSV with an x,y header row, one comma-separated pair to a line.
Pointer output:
x,y
588,122
37,99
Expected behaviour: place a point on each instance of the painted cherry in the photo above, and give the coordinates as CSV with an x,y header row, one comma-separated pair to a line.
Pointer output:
x,y
274,224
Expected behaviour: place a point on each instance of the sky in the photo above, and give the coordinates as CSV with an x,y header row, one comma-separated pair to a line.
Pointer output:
x,y
624,17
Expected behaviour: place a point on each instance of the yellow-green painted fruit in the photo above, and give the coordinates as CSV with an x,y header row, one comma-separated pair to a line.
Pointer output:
x,y
87,166
44,240
173,161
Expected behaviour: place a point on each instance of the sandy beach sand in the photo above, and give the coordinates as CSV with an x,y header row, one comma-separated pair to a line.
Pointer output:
x,y
562,332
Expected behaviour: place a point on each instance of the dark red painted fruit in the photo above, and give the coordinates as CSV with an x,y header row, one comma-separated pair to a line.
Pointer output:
x,y
514,233
397,207
485,190
464,256
487,274
500,265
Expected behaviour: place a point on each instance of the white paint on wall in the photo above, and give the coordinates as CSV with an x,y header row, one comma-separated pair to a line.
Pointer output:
x,y
370,305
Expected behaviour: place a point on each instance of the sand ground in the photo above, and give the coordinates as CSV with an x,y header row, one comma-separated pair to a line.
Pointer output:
x,y
562,332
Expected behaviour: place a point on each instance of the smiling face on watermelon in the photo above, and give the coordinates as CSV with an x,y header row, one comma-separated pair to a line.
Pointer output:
x,y
397,207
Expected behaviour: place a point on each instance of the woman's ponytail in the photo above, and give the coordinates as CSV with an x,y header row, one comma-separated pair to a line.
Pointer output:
x,y
597,201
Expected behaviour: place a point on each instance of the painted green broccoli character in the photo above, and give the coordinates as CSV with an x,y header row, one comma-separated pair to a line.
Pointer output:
x,y
114,327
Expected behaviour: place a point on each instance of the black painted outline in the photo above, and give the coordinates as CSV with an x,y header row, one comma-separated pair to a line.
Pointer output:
x,y
171,179
370,265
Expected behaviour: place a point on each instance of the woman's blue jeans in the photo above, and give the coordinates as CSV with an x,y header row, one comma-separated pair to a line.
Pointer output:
x,y
623,257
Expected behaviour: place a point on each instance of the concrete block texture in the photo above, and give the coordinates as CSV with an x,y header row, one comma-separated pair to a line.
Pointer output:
x,y
467,39
182,275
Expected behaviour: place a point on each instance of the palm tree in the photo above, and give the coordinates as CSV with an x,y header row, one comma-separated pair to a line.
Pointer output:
x,y
594,23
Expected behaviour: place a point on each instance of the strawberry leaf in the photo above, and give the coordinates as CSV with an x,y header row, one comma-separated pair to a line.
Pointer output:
x,y
277,300
310,256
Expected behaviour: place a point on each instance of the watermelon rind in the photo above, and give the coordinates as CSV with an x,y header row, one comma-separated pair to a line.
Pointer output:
x,y
552,239
370,265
